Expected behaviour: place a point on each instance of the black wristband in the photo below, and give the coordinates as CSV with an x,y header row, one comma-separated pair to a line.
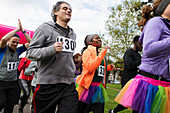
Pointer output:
x,y
23,32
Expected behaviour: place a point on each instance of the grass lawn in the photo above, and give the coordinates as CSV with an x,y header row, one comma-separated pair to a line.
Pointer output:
x,y
112,91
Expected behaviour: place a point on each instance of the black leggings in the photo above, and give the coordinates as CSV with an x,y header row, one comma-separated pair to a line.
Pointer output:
x,y
119,107
26,88
86,108
9,95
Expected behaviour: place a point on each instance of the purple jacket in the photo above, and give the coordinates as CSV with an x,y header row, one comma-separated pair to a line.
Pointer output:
x,y
155,39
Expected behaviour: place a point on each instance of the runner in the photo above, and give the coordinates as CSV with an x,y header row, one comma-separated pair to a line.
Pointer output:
x,y
52,47
132,60
9,58
92,81
149,92
32,70
24,83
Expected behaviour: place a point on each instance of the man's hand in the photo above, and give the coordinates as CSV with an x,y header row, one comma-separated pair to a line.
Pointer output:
x,y
58,46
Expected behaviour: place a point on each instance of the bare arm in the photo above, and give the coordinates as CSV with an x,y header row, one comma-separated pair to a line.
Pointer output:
x,y
7,37
25,34
28,39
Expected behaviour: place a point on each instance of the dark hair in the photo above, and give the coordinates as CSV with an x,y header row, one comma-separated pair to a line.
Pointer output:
x,y
86,45
76,55
57,7
146,13
136,38
16,35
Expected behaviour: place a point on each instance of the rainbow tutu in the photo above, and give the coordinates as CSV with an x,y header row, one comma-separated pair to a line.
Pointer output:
x,y
95,93
145,95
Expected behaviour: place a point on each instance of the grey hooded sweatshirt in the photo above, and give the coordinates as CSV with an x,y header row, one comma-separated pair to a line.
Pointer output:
x,y
53,67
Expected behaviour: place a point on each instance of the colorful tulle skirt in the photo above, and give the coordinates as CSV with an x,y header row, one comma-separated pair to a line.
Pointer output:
x,y
145,95
95,93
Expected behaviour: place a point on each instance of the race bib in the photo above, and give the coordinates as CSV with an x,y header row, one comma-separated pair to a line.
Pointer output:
x,y
101,71
12,66
69,44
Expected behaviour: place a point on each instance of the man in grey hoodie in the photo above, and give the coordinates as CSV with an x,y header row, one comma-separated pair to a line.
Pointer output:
x,y
52,47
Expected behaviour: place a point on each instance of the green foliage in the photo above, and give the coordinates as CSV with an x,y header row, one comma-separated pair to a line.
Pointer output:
x,y
111,104
121,27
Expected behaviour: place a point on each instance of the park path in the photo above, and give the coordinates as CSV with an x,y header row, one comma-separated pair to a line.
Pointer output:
x,y
26,108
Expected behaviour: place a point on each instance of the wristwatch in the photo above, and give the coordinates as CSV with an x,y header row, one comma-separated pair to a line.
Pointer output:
x,y
23,32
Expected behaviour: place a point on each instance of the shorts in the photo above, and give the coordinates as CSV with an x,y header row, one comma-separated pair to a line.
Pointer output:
x,y
9,93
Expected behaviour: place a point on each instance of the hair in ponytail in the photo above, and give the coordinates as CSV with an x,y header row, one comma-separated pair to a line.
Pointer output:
x,y
146,13
86,45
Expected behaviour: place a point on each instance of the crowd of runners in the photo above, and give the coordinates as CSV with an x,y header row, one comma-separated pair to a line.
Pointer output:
x,y
62,82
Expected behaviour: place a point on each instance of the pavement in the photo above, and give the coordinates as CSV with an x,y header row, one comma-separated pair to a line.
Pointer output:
x,y
26,108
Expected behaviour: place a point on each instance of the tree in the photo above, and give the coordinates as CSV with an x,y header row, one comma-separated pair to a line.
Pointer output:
x,y
122,27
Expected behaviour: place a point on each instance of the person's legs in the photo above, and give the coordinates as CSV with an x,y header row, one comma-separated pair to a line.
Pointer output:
x,y
118,108
81,107
11,98
98,107
44,99
88,108
32,108
8,108
33,89
26,88
69,100
2,99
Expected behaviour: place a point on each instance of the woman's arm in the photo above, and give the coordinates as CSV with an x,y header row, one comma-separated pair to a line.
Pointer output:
x,y
8,36
151,43
25,34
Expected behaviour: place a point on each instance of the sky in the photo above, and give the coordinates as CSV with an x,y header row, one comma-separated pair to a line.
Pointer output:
x,y
88,16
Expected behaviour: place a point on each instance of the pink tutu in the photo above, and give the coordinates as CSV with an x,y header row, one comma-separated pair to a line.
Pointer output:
x,y
145,95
